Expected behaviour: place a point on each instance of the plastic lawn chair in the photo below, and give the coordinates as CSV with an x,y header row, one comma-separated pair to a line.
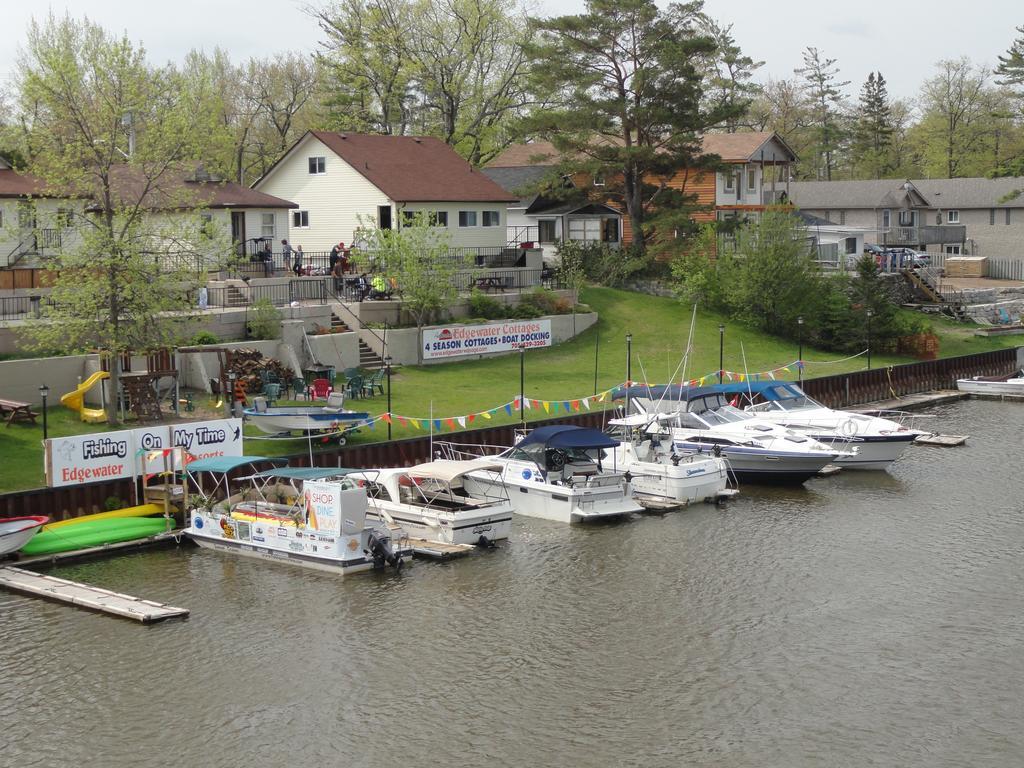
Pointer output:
x,y
354,387
375,383
272,392
299,389
320,388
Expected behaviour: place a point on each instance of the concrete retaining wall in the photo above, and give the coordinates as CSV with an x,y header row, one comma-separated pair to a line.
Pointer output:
x,y
21,379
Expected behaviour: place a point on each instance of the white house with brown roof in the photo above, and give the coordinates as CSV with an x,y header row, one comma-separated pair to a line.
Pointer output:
x,y
343,182
32,222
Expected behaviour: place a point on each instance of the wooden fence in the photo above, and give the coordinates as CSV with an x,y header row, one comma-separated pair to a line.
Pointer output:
x,y
836,391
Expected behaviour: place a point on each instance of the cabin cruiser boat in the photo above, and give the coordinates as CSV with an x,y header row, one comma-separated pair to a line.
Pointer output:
x,y
555,472
657,473
699,420
323,526
430,501
16,532
879,441
993,385
284,420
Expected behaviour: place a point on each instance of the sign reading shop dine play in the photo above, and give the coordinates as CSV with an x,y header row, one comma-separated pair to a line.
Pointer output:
x,y
113,455
457,340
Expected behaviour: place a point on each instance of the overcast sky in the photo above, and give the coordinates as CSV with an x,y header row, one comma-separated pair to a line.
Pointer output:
x,y
903,40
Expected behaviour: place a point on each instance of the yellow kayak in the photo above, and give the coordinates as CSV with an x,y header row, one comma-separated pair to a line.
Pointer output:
x,y
143,510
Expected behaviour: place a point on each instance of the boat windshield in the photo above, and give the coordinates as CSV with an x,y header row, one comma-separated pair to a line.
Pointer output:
x,y
732,414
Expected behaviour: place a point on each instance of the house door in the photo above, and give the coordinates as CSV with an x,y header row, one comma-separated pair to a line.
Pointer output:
x,y
384,216
238,231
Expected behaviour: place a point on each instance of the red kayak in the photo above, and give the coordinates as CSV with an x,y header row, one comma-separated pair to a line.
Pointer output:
x,y
16,532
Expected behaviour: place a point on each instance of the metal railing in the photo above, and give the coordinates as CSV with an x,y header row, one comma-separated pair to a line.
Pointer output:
x,y
935,234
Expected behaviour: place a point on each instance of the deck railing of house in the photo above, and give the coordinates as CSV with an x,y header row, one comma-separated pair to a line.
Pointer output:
x,y
935,234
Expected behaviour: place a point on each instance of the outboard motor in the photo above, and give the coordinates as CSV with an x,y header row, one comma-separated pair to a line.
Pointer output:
x,y
380,548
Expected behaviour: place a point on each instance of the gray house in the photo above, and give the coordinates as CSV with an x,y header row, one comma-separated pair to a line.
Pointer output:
x,y
946,217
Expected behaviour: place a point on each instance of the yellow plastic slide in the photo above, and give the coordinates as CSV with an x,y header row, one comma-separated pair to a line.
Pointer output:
x,y
76,400
144,510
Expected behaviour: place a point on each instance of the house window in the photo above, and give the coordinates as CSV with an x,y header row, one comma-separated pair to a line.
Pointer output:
x,y
63,218
842,218
267,225
730,181
908,218
317,165
751,180
991,216
952,250
409,218
585,230
1007,216
439,218
886,218
546,230
26,216
300,219
467,218
610,230
850,245
598,180
952,217
492,218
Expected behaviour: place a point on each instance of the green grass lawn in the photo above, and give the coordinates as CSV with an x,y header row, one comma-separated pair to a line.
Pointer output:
x,y
659,328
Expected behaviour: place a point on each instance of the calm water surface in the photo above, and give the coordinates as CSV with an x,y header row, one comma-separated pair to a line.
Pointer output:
x,y
871,619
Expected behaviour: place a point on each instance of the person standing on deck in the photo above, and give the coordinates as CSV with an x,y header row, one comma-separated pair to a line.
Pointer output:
x,y
297,269
286,252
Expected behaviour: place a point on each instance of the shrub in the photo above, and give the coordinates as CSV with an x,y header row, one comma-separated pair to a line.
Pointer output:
x,y
264,320
205,337
562,306
111,503
541,298
526,311
482,305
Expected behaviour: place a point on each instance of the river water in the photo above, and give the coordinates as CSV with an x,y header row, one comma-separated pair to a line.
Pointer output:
x,y
869,619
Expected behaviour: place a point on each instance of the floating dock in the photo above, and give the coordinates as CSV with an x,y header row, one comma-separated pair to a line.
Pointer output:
x,y
438,550
86,596
946,441
661,504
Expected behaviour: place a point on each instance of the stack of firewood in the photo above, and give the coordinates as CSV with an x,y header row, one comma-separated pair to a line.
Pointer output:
x,y
249,364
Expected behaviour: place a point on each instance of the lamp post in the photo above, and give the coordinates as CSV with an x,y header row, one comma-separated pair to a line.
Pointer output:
x,y
721,351
800,353
387,370
230,395
869,313
44,392
522,385
629,369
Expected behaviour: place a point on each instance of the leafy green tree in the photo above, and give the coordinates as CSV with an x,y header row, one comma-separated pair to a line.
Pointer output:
x,y
825,97
628,84
955,126
728,75
112,132
873,130
418,258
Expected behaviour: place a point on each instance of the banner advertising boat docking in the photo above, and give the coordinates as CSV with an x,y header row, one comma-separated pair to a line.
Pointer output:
x,y
114,455
458,340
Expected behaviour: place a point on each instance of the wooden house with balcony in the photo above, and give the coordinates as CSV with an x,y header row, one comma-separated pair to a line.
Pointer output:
x,y
756,175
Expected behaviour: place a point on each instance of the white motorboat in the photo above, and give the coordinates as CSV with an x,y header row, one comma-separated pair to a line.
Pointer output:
x,y
332,417
322,527
554,472
659,474
879,441
16,532
701,421
1012,385
430,501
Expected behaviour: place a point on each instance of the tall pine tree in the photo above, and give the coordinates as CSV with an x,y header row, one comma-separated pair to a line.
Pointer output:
x,y
873,132
825,95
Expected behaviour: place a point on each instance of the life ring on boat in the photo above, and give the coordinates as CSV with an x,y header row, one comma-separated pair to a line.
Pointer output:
x,y
850,428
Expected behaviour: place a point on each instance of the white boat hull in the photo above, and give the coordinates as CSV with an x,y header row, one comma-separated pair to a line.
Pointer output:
x,y
14,539
558,503
1012,387
691,480
469,529
279,556
875,454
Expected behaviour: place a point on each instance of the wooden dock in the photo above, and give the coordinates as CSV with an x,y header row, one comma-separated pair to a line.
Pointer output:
x,y
171,538
946,441
438,550
86,596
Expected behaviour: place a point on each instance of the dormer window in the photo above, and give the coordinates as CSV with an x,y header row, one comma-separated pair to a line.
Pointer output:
x,y
317,166
908,218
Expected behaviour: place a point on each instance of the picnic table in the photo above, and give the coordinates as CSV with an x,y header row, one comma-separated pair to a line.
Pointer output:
x,y
13,410
489,283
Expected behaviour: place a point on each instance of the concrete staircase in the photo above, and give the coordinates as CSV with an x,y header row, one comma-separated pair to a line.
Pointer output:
x,y
369,359
233,297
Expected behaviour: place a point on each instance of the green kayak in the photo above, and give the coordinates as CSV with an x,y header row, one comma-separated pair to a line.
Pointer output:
x,y
94,533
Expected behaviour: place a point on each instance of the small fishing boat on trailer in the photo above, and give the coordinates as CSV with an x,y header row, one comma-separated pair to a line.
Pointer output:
x,y
431,502
16,532
308,420
322,527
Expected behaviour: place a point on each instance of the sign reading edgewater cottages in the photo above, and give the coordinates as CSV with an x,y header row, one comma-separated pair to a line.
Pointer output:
x,y
457,340
114,455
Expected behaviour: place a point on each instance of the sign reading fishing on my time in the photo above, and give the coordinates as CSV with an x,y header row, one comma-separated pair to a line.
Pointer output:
x,y
457,340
